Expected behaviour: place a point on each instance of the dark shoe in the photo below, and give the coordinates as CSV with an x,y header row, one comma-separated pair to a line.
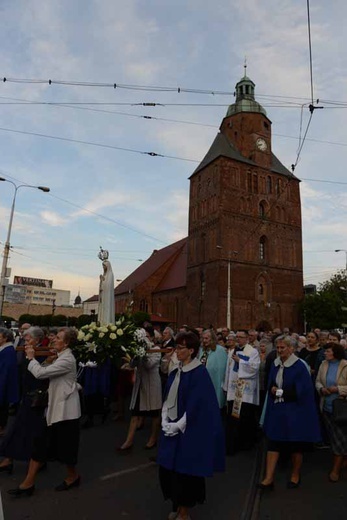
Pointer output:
x,y
293,485
19,492
333,477
8,468
266,487
65,487
150,447
121,450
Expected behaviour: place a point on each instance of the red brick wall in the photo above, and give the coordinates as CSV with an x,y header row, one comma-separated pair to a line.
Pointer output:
x,y
15,310
225,199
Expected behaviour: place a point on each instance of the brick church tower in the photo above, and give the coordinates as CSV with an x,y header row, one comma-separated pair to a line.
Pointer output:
x,y
245,240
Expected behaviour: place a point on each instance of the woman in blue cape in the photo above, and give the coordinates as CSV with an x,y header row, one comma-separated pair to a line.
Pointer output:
x,y
9,389
291,421
192,443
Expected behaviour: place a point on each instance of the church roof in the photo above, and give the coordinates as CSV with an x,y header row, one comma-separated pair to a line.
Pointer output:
x,y
222,147
152,264
177,274
93,298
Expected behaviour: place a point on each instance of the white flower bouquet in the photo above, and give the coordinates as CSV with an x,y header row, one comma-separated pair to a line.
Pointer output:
x,y
120,342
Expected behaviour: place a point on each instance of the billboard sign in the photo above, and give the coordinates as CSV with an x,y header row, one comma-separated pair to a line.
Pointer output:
x,y
37,282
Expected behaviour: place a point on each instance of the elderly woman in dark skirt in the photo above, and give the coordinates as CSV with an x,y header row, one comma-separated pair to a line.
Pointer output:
x,y
192,442
27,435
63,412
291,421
331,383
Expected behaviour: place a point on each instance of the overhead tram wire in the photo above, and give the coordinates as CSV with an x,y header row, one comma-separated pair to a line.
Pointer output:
x,y
178,90
91,143
146,117
311,106
99,215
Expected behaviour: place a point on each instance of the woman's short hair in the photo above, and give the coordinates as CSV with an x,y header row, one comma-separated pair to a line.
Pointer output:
x,y
285,339
212,335
338,350
150,330
70,335
189,340
53,330
36,333
7,334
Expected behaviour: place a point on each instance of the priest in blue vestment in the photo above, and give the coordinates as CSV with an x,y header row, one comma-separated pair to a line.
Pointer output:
x,y
192,443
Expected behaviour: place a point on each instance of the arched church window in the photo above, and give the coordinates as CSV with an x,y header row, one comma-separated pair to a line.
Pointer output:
x,y
255,183
260,289
262,248
262,210
249,181
268,184
143,306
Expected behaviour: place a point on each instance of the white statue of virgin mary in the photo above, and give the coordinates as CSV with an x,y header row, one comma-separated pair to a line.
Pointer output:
x,y
106,310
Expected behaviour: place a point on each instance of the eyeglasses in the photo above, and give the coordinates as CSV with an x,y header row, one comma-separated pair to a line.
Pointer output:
x,y
241,337
180,347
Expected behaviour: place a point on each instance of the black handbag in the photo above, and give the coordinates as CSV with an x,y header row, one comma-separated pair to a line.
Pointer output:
x,y
39,398
340,411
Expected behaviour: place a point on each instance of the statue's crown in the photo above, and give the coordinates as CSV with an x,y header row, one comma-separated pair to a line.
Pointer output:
x,y
103,254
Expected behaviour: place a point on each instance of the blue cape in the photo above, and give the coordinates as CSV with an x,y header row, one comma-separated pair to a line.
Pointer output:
x,y
200,450
296,419
9,389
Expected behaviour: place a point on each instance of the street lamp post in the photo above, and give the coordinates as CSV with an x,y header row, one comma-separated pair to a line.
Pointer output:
x,y
228,288
7,243
340,251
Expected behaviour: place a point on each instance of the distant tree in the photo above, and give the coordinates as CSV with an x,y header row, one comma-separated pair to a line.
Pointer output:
x,y
46,320
140,317
325,308
337,284
26,318
72,321
84,319
59,320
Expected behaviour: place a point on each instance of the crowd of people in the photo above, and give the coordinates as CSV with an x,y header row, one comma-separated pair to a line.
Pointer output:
x,y
208,393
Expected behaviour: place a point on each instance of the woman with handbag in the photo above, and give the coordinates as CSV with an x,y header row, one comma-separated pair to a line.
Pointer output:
x,y
331,384
63,412
27,436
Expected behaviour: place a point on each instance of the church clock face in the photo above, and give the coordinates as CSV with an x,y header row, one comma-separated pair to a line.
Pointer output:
x,y
261,144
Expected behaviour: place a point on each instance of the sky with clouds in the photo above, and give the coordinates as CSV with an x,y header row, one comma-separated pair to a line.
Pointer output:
x,y
131,203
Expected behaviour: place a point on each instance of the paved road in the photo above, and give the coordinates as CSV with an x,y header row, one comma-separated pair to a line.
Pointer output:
x,y
316,499
121,486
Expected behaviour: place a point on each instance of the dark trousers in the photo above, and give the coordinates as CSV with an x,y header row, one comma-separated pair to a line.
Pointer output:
x,y
3,415
241,433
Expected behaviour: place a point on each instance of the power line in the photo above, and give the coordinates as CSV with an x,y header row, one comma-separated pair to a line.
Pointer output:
x,y
91,143
310,47
155,118
99,215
